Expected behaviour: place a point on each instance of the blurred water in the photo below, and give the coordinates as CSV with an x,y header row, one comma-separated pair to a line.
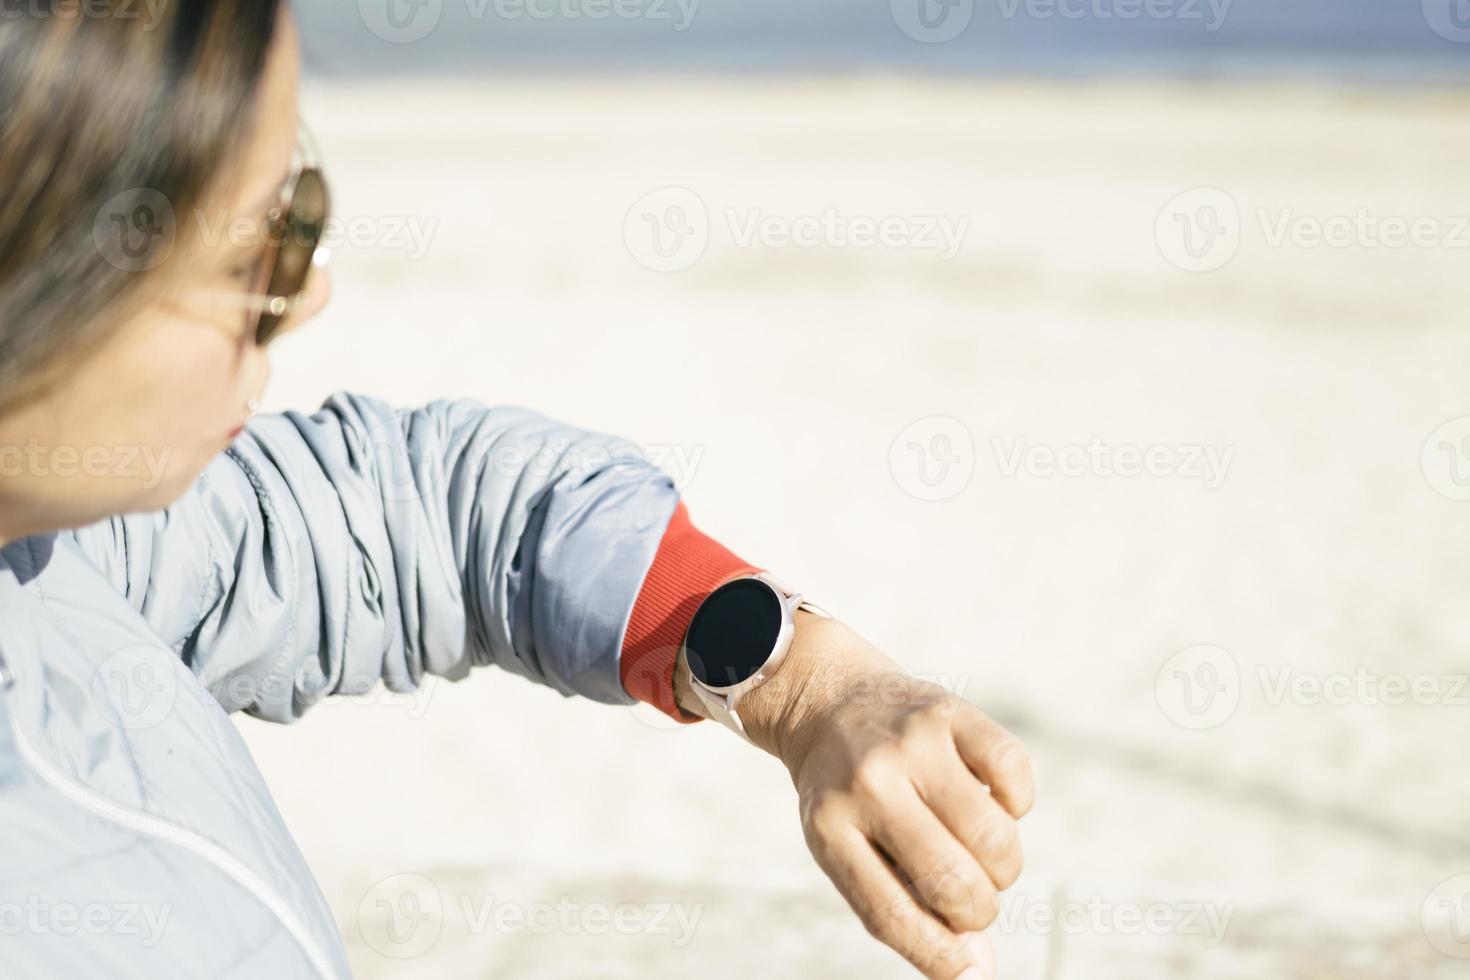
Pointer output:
x,y
1378,39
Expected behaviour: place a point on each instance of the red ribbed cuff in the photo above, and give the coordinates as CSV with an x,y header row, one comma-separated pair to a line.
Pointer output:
x,y
688,566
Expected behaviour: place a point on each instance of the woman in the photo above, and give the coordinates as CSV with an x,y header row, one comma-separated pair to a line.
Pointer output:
x,y
165,563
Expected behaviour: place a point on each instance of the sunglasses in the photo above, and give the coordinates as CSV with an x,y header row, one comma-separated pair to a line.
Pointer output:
x,y
294,228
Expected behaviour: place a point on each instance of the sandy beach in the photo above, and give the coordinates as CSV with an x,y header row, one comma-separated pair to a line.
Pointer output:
x,y
1127,410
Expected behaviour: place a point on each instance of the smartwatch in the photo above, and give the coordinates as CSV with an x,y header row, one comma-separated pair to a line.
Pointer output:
x,y
737,639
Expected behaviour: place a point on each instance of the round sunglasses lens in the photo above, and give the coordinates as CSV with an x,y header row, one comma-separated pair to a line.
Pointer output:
x,y
305,223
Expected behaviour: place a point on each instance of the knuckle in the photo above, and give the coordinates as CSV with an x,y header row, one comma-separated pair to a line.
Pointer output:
x,y
825,818
934,708
998,838
1007,871
941,958
926,713
1012,761
1012,771
963,898
997,845
1023,805
891,917
920,938
987,910
876,773
880,923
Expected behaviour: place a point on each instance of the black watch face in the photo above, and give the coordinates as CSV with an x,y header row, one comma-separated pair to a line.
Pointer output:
x,y
733,633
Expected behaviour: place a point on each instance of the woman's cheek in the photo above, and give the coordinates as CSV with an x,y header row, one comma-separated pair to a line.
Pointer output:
x,y
196,396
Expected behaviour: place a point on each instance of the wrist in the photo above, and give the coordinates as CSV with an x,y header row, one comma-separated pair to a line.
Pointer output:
x,y
776,713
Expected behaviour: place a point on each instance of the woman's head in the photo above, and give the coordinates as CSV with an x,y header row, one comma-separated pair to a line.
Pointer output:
x,y
139,155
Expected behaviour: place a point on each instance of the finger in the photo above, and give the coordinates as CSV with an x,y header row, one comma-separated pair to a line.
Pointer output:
x,y
965,806
997,758
942,872
891,914
982,950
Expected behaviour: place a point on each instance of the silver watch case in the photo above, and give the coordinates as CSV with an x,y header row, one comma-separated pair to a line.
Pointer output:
x,y
723,700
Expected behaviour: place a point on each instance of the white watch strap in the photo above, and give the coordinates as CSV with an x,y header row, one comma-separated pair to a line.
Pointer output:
x,y
793,598
720,711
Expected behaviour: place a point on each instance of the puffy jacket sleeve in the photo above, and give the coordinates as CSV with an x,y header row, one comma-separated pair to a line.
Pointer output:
x,y
322,553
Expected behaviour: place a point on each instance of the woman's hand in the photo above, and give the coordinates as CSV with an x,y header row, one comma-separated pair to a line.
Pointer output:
x,y
909,794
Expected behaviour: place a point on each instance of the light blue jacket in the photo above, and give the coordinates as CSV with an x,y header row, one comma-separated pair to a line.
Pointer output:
x,y
317,556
